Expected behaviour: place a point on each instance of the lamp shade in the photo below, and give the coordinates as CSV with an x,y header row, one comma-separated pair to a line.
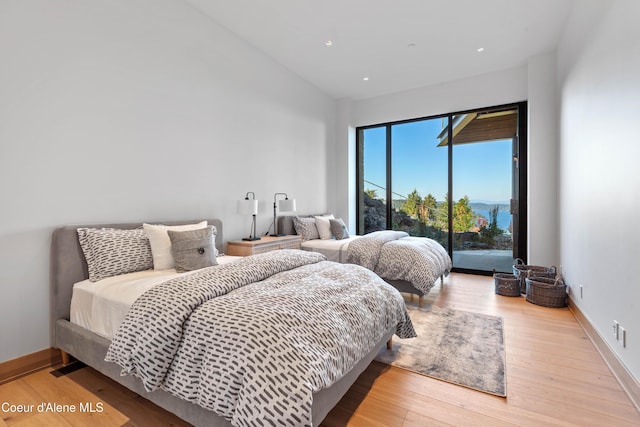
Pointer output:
x,y
287,205
248,207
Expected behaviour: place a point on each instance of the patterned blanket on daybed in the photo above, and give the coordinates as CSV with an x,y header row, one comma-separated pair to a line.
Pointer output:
x,y
395,255
254,339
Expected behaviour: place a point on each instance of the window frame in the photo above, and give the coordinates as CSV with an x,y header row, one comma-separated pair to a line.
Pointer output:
x,y
521,155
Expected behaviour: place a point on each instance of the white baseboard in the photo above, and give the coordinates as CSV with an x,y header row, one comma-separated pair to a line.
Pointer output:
x,y
627,381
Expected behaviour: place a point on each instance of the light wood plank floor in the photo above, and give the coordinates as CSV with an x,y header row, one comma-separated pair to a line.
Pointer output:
x,y
555,376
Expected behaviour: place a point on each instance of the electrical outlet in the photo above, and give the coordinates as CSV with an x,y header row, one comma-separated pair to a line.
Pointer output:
x,y
622,336
616,326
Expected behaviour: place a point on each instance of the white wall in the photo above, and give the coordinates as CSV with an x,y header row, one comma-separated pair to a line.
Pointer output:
x,y
344,191
138,110
599,84
501,87
542,164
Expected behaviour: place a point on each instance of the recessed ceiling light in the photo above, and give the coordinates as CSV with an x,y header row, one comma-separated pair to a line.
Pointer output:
x,y
365,78
328,43
411,45
480,49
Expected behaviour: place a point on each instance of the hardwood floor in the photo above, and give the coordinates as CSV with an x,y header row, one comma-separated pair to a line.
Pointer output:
x,y
555,377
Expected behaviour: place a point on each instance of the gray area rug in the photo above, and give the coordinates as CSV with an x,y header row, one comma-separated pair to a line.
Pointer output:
x,y
456,346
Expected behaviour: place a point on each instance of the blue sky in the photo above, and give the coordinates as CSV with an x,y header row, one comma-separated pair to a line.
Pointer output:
x,y
482,171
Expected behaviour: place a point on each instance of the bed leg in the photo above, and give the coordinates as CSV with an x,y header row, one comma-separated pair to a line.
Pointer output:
x,y
420,300
65,357
441,280
390,344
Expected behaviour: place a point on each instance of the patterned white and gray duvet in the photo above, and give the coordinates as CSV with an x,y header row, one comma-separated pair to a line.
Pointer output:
x,y
254,339
395,255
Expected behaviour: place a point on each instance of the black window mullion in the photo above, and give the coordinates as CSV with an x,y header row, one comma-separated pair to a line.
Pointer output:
x,y
450,184
522,180
359,180
388,183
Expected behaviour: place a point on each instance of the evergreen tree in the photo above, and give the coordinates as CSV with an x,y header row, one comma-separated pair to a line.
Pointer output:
x,y
463,215
413,205
429,207
493,221
442,214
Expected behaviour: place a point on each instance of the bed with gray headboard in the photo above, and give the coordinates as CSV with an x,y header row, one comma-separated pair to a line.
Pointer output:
x,y
427,263
68,266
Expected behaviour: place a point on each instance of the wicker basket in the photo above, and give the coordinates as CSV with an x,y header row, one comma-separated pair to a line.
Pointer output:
x,y
507,284
522,271
547,292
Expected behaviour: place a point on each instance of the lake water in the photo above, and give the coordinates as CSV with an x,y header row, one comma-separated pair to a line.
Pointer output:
x,y
504,218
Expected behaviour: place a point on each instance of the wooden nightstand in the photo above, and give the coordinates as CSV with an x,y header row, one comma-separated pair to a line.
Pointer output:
x,y
265,244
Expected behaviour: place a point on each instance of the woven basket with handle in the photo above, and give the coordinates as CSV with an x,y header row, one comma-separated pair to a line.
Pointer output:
x,y
547,292
507,284
522,271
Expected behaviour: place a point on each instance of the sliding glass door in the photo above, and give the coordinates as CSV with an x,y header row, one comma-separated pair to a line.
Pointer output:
x,y
419,179
373,176
407,170
482,183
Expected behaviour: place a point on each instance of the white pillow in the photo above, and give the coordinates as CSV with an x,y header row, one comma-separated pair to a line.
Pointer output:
x,y
161,243
324,226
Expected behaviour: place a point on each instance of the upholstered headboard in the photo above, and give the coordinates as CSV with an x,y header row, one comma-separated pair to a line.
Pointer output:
x,y
68,265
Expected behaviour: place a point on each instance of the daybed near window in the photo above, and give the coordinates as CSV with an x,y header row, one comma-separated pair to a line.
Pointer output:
x,y
410,264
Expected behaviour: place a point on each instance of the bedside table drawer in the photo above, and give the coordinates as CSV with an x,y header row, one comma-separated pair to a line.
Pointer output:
x,y
259,249
265,244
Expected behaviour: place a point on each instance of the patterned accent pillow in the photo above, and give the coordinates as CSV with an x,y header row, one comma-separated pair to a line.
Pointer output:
x,y
324,227
306,227
339,229
193,250
161,244
111,252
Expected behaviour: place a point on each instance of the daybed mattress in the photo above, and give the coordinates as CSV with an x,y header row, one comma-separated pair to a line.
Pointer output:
x,y
334,250
102,306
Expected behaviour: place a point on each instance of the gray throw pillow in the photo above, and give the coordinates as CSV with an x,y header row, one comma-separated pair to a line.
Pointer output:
x,y
306,227
193,249
339,229
111,252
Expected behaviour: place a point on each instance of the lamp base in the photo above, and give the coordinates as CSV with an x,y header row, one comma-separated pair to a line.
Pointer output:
x,y
277,235
250,239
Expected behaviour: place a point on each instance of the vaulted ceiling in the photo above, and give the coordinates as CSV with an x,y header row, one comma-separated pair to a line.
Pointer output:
x,y
394,45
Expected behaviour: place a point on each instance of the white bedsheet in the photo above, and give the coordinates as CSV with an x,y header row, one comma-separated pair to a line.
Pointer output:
x,y
102,306
334,250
